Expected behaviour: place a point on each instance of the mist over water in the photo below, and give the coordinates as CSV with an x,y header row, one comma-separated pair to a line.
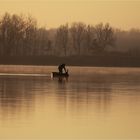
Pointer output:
x,y
92,103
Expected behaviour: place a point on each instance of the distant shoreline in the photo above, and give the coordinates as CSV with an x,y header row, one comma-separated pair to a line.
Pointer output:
x,y
91,61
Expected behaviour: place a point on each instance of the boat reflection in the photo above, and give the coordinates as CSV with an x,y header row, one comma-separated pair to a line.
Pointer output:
x,y
62,79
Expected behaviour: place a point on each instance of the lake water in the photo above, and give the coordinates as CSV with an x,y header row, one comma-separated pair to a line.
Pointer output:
x,y
93,103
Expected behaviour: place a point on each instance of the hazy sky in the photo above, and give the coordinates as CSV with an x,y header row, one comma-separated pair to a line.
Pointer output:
x,y
124,14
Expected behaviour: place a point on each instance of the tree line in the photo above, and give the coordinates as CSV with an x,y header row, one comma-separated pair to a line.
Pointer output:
x,y
21,36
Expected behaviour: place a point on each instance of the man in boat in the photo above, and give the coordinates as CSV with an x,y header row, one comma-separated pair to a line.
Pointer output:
x,y
61,68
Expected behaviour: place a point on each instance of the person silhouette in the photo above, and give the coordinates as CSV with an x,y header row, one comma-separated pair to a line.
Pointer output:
x,y
62,68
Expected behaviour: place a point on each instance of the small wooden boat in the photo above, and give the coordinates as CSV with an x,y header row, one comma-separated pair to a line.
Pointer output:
x,y
57,74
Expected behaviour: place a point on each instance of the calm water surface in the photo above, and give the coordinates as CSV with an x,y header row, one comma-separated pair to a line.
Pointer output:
x,y
93,103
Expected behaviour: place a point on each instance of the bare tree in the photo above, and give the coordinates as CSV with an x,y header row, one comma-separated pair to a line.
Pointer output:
x,y
77,34
89,38
104,36
42,41
30,35
62,38
17,33
5,30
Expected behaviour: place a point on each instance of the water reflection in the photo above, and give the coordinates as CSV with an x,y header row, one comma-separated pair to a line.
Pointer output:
x,y
21,92
89,96
62,80
14,97
92,93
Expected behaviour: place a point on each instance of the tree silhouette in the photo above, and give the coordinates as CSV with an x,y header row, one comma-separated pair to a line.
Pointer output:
x,y
89,38
104,36
77,34
62,37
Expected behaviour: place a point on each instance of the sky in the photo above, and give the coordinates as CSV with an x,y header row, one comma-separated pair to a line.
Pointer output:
x,y
123,14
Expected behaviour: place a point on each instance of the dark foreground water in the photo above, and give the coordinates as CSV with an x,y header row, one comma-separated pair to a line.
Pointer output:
x,y
93,103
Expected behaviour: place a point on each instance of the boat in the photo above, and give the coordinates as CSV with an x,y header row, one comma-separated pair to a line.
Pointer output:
x,y
57,74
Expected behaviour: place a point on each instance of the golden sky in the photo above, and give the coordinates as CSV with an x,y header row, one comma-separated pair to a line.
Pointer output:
x,y
124,14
